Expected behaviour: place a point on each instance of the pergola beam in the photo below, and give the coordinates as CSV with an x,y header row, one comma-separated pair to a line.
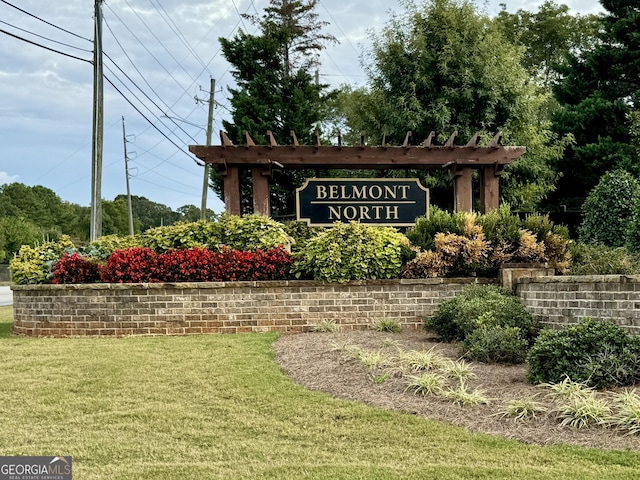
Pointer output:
x,y
305,156
229,159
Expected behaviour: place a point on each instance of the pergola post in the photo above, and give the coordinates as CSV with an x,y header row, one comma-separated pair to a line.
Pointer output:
x,y
490,188
231,187
260,192
462,189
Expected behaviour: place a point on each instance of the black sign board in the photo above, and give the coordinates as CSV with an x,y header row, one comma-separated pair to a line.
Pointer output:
x,y
395,202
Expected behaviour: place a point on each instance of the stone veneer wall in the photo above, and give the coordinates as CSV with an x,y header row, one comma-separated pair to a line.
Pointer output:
x,y
563,300
234,307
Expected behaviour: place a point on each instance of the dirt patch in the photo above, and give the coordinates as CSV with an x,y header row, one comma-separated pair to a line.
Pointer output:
x,y
319,361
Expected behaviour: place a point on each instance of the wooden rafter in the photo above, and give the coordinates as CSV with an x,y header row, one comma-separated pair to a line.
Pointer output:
x,y
423,156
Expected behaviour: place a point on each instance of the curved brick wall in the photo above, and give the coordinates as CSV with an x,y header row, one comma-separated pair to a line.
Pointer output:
x,y
233,307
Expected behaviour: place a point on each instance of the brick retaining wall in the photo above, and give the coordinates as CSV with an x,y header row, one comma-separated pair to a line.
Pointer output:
x,y
563,300
234,307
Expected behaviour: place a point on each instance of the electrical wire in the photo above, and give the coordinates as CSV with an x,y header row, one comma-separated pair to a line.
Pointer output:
x,y
175,29
44,21
46,38
43,46
149,51
150,122
148,97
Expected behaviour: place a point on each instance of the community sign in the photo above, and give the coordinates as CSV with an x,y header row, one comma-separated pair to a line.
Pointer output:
x,y
394,202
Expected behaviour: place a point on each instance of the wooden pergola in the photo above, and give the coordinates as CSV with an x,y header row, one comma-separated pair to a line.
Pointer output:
x,y
460,160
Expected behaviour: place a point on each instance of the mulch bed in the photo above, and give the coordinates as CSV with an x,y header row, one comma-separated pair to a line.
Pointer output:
x,y
316,361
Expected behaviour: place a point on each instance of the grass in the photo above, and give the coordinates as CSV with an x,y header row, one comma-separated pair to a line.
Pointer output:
x,y
218,407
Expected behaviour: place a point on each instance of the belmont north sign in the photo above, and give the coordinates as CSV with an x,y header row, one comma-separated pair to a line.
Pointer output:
x,y
393,202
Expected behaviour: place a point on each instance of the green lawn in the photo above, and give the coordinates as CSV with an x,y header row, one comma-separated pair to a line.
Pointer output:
x,y
205,407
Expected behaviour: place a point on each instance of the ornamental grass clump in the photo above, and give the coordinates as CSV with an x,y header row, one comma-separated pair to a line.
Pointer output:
x,y
426,384
583,411
626,416
523,410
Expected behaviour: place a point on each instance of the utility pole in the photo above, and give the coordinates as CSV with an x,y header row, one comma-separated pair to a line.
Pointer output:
x,y
95,229
126,171
205,181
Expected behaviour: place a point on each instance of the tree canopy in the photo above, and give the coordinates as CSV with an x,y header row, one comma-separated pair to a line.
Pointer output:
x,y
276,89
599,89
442,66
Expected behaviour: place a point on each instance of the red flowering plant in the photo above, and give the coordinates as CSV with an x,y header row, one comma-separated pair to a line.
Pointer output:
x,y
132,265
75,268
190,265
272,264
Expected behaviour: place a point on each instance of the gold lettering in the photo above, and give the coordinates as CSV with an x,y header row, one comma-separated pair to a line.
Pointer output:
x,y
390,192
404,189
378,193
343,192
377,209
362,193
350,212
335,213
392,213
321,192
364,213
333,192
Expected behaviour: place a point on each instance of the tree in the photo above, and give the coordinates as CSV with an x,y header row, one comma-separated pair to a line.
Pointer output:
x,y
442,66
276,89
149,214
191,213
609,209
549,37
597,92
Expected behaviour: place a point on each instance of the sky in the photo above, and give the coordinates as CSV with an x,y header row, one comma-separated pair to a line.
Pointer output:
x,y
160,56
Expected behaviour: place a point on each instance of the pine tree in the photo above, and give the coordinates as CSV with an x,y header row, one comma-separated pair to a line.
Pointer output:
x,y
276,90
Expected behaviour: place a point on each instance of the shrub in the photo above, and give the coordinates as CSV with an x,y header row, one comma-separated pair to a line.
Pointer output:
x,y
133,265
75,268
251,232
104,246
597,353
481,306
180,235
190,265
589,259
423,233
272,264
609,208
496,344
300,233
34,264
454,255
352,251
501,227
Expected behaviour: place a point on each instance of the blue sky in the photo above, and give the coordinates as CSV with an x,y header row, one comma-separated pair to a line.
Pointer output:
x,y
170,49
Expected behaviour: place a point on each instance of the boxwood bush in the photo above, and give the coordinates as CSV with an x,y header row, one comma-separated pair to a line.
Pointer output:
x,y
598,353
493,325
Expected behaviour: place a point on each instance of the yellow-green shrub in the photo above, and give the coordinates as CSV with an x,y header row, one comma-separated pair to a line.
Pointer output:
x,y
34,264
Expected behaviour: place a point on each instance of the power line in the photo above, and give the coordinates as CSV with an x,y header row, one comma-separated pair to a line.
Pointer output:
x,y
145,94
150,122
44,21
43,46
175,29
149,51
46,38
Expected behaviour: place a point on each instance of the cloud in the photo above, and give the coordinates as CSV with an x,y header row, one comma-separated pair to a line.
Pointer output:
x,y
6,178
